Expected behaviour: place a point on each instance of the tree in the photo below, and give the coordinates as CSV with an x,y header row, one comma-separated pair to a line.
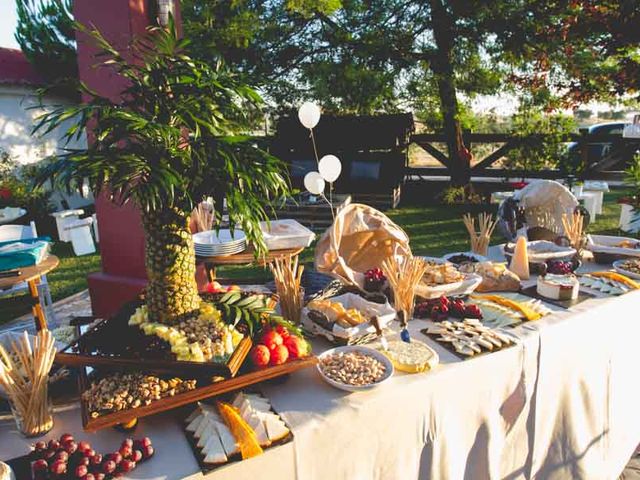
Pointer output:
x,y
172,140
432,56
46,36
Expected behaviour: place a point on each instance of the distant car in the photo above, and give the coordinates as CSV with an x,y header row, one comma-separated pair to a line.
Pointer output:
x,y
598,150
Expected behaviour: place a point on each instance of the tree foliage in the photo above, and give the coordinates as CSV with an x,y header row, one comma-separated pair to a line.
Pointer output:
x,y
174,138
46,36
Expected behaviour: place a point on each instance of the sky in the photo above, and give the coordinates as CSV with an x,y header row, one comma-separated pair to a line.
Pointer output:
x,y
7,23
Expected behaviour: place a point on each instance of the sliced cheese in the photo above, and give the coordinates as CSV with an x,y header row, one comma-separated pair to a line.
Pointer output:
x,y
226,438
276,428
257,425
213,451
207,434
244,435
195,423
192,416
203,425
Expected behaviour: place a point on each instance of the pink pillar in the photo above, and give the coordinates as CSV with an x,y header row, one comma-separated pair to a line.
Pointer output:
x,y
123,273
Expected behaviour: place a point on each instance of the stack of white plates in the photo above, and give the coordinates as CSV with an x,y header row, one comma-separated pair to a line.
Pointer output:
x,y
218,244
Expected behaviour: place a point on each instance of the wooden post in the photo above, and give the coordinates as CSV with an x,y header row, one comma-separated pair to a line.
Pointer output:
x,y
584,150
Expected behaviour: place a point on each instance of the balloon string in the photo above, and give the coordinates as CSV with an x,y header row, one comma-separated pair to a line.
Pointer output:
x,y
315,151
330,205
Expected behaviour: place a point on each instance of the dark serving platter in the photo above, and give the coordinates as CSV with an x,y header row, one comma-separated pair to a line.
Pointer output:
x,y
113,343
206,468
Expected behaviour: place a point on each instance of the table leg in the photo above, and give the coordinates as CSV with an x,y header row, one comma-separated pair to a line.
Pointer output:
x,y
38,314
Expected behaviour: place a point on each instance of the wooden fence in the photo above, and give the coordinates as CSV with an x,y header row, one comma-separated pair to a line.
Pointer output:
x,y
619,149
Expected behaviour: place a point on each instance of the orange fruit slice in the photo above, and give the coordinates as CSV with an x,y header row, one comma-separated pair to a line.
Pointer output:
x,y
243,433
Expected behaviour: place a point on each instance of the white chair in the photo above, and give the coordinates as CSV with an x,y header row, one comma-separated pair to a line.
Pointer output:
x,y
25,232
65,218
79,232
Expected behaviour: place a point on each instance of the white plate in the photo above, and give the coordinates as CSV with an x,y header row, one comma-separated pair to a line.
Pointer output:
x,y
609,244
356,348
223,237
539,251
617,265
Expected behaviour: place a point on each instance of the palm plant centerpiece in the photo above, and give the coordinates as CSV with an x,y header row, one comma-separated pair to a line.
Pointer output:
x,y
173,139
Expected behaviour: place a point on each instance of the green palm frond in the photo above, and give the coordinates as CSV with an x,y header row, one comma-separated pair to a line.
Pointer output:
x,y
177,135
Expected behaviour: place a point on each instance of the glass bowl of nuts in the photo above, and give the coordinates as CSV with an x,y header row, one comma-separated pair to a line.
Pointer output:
x,y
354,368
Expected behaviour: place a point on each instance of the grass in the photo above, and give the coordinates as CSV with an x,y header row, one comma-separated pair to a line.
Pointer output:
x,y
433,229
70,277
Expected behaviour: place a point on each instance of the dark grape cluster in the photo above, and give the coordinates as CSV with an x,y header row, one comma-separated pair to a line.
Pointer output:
x,y
374,280
65,458
438,309
559,267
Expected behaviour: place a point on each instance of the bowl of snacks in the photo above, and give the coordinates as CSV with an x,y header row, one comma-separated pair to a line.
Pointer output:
x,y
629,267
354,368
464,257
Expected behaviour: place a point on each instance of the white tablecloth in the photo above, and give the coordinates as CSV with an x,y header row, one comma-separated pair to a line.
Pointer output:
x,y
562,404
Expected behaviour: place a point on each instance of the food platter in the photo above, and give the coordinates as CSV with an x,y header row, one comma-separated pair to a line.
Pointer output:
x,y
341,330
607,248
443,278
539,251
212,442
204,389
629,267
113,343
350,354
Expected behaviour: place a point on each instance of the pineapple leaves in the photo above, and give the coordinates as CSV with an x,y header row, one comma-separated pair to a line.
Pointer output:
x,y
177,135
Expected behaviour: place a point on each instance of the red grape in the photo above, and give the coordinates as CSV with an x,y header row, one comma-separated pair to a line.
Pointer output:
x,y
39,446
98,476
62,455
127,465
109,467
128,442
70,446
66,437
125,451
54,445
58,467
145,442
40,466
49,454
96,459
81,471
83,446
148,452
91,476
116,457
82,460
136,456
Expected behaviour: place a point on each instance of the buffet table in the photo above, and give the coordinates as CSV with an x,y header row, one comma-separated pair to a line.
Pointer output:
x,y
562,403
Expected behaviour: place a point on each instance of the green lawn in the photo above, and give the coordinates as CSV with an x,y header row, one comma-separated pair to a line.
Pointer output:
x,y
434,230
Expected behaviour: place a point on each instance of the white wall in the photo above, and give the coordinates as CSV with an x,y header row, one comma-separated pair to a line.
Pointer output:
x,y
17,120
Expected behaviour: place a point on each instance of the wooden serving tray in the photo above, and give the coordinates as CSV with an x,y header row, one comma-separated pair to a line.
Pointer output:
x,y
113,343
206,390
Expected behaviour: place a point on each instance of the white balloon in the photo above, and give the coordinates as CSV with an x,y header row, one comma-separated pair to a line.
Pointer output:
x,y
314,183
309,114
330,168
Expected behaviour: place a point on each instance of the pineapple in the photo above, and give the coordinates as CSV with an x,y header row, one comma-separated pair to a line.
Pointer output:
x,y
172,292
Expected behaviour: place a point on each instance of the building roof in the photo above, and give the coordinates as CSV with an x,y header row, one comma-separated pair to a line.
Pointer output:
x,y
15,69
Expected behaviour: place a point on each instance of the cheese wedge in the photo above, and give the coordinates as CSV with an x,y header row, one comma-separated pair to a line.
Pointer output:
x,y
195,423
206,435
192,416
257,425
213,451
276,428
227,439
203,425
